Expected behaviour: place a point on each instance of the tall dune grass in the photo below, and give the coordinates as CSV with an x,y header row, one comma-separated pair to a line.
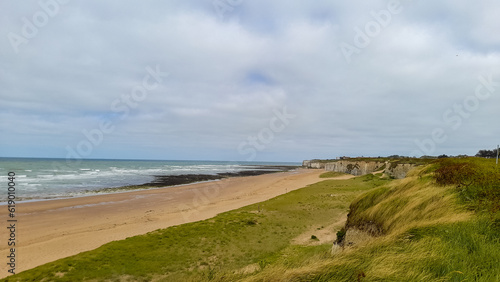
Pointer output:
x,y
438,224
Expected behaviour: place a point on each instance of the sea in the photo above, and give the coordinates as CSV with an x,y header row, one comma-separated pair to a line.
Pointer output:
x,y
42,179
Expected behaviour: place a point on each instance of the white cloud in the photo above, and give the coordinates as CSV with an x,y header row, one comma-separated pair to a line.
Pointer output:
x,y
227,76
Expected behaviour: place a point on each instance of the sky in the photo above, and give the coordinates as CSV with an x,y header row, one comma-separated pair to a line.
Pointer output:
x,y
248,80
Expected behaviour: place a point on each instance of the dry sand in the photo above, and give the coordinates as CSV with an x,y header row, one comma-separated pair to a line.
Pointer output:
x,y
50,230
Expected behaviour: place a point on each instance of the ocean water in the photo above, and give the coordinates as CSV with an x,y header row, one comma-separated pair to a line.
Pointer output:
x,y
38,179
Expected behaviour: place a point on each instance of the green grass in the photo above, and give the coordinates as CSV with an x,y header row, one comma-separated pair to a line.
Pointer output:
x,y
461,251
426,230
331,174
221,246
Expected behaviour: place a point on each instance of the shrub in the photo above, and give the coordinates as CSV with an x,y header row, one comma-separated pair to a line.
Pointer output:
x,y
251,222
477,181
340,236
459,173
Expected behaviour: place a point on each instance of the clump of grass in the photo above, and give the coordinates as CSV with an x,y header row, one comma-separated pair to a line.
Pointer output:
x,y
340,236
251,222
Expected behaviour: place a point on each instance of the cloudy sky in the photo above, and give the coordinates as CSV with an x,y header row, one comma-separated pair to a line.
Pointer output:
x,y
248,80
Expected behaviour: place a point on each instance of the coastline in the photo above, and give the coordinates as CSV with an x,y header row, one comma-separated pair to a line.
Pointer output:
x,y
162,181
50,230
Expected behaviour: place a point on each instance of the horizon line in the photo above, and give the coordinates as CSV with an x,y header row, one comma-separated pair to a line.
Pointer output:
x,y
178,160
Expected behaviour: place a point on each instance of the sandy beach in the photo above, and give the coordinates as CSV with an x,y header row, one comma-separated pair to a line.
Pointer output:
x,y
50,230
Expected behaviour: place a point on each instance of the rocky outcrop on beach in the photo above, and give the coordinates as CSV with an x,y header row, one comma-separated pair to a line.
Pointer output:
x,y
398,171
394,169
354,168
313,164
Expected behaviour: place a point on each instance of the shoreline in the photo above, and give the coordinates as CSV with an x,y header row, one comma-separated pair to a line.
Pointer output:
x,y
51,230
163,181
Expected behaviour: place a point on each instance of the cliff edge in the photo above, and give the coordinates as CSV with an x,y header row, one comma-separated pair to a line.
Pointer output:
x,y
395,168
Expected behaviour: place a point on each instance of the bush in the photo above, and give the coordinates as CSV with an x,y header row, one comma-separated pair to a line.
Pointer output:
x,y
340,236
477,181
457,173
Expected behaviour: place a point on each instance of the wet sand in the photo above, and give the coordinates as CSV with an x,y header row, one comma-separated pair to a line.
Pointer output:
x,y
50,230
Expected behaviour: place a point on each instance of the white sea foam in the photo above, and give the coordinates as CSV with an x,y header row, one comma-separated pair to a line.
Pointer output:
x,y
41,179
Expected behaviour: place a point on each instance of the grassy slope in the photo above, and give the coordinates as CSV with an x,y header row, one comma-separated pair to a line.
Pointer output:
x,y
427,232
230,245
331,174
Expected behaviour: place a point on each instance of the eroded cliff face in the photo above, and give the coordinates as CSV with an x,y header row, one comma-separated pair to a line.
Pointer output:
x,y
354,168
398,171
313,164
392,169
